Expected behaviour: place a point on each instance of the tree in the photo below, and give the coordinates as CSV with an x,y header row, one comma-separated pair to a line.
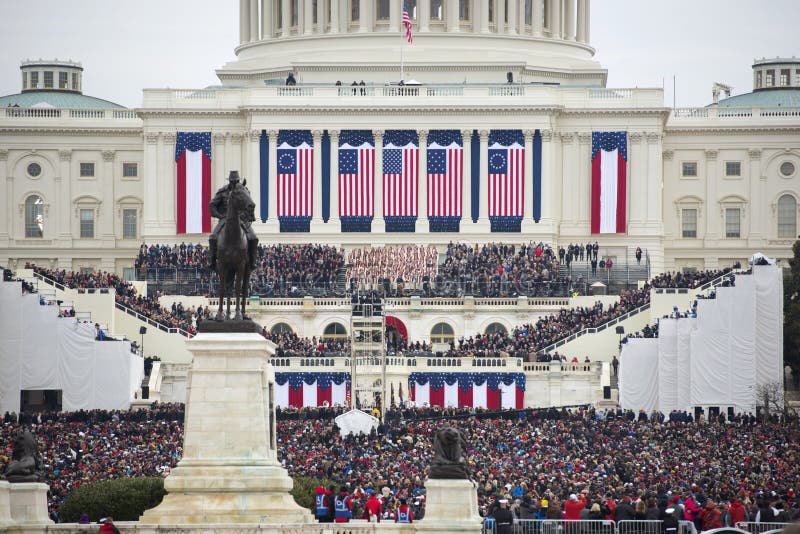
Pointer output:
x,y
791,313
769,397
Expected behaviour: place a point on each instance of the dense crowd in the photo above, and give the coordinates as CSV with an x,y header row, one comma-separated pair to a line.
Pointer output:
x,y
292,345
403,266
688,279
501,270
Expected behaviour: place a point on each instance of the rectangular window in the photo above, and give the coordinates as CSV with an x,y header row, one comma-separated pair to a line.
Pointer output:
x,y
48,79
63,80
129,224
24,80
689,169
354,7
87,224
76,85
528,12
130,170
87,170
689,223
463,10
384,10
34,80
758,80
733,168
785,77
295,13
770,78
733,222
436,10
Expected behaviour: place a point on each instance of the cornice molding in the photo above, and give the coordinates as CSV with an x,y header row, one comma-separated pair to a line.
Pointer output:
x,y
405,110
700,130
105,132
208,112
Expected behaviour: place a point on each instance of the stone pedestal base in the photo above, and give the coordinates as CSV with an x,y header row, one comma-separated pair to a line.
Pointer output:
x,y
450,506
27,503
229,473
5,504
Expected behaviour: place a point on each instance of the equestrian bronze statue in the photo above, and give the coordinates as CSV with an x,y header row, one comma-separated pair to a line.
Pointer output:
x,y
233,244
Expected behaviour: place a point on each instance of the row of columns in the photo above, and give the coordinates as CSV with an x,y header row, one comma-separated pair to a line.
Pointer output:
x,y
252,162
559,19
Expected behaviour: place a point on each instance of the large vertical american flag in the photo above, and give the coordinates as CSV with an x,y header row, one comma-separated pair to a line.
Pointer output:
x,y
445,176
295,180
356,174
407,24
400,173
193,188
506,173
609,174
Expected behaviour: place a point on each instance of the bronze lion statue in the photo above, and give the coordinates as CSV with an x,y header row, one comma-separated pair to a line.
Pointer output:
x,y
26,463
449,445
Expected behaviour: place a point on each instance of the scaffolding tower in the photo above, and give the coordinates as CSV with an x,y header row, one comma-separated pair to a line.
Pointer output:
x,y
368,357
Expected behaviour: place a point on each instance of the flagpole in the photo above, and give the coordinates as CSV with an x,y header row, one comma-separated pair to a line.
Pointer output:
x,y
403,42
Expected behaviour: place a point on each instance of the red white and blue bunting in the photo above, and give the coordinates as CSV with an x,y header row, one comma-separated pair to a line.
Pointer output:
x,y
297,390
492,391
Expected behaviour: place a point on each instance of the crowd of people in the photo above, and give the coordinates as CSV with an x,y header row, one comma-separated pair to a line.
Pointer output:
x,y
289,344
403,266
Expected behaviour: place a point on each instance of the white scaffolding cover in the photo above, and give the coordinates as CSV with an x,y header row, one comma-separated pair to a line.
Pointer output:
x,y
684,343
41,351
769,324
668,364
710,361
743,341
638,375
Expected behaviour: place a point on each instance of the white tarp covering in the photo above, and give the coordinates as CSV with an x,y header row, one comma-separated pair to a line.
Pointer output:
x,y
710,361
743,340
356,422
668,365
40,351
769,324
638,375
685,329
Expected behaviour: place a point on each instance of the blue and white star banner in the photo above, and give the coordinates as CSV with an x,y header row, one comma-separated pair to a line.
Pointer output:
x,y
506,173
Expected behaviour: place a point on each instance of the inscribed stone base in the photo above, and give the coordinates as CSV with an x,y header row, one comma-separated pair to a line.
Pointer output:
x,y
451,505
27,503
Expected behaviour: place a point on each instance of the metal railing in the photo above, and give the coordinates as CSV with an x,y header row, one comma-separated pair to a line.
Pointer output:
x,y
152,322
599,328
760,528
591,526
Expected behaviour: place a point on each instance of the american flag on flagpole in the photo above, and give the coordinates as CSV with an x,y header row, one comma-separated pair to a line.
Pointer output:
x,y
445,174
407,24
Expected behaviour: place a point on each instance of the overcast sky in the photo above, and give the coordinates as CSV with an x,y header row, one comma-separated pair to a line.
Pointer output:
x,y
126,46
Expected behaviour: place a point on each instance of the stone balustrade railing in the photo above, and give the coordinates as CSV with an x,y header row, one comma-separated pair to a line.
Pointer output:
x,y
685,115
56,113
407,303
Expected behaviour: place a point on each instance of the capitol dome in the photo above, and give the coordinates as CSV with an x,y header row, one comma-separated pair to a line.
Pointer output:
x,y
454,41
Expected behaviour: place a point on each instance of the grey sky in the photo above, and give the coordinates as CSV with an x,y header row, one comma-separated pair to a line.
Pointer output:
x,y
128,46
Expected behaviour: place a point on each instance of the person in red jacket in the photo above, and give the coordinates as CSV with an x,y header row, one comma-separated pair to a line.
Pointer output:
x,y
373,510
710,516
107,526
573,507
404,513
737,511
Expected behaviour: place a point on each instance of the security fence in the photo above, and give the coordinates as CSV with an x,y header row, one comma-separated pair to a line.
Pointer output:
x,y
592,526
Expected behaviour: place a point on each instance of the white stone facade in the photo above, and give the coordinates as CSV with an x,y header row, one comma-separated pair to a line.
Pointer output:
x,y
733,198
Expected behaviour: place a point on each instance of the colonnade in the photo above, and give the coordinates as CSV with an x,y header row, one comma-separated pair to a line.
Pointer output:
x,y
263,20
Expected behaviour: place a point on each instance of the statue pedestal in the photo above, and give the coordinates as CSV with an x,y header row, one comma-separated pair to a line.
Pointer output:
x,y
229,472
27,503
5,504
451,505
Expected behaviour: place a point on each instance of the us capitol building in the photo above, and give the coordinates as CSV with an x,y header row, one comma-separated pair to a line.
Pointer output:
x,y
506,91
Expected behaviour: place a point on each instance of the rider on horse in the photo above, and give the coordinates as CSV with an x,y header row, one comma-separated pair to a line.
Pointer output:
x,y
218,207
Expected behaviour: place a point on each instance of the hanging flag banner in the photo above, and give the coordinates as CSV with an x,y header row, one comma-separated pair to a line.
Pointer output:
x,y
506,180
356,180
298,390
491,391
295,180
193,189
445,159
609,179
400,175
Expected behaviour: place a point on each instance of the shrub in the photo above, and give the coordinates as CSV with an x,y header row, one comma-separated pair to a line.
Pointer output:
x,y
124,499
305,489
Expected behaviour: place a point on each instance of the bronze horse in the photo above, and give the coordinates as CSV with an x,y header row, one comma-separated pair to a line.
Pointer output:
x,y
233,266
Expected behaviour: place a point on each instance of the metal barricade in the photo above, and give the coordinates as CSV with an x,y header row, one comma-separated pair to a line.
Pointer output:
x,y
564,526
639,527
686,527
760,528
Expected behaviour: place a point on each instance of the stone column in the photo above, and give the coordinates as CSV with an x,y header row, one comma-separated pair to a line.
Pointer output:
x,y
466,177
167,190
378,186
569,20
244,21
569,201
424,15
316,212
218,174
321,22
581,24
555,19
527,187
513,11
483,217
365,16
756,183
521,18
537,22
286,18
253,168
715,221
422,188
655,180
5,228
308,17
395,13
500,17
548,175
108,207
334,200
451,16
637,185
273,179
150,185
254,21
583,160
587,21
267,19
301,17
335,18
482,17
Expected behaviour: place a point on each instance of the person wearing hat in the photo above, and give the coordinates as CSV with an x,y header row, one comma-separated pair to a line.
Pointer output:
x,y
404,513
322,508
218,206
343,507
503,517
107,526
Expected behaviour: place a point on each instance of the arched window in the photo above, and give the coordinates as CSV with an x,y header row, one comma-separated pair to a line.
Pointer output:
x,y
442,333
787,216
496,328
334,331
281,328
34,216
